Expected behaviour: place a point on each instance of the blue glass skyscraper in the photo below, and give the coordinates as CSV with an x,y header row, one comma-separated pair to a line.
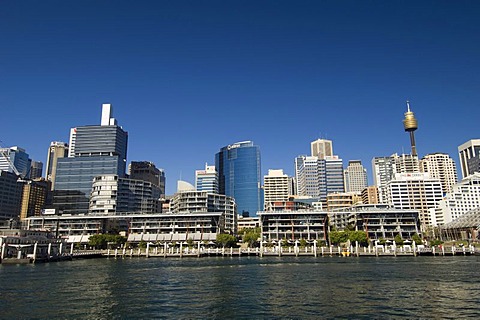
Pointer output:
x,y
239,175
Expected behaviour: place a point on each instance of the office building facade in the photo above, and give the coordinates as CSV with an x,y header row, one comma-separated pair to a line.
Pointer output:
x,y
355,177
93,151
15,159
207,179
56,150
239,176
321,148
469,154
147,171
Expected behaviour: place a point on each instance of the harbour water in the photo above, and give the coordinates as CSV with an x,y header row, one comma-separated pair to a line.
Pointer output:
x,y
244,288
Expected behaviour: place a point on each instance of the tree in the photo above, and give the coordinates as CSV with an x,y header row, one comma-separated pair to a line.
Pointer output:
x,y
416,238
337,237
226,240
360,236
101,241
303,243
250,236
190,243
398,240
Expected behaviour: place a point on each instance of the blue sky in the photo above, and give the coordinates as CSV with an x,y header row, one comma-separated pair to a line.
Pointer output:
x,y
188,77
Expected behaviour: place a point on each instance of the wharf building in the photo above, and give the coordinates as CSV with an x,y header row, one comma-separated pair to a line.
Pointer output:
x,y
342,200
294,225
239,176
93,151
198,202
469,154
207,179
151,227
440,166
415,191
464,197
56,150
276,188
379,221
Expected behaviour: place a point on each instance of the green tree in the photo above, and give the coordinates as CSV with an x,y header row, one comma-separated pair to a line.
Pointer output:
x,y
226,240
251,236
142,244
303,243
398,240
416,238
98,241
337,237
360,236
190,243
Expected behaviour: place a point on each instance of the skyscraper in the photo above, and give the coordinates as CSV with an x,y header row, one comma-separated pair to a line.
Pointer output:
x,y
15,158
469,154
321,148
239,176
206,180
94,151
147,171
55,151
355,177
36,169
442,167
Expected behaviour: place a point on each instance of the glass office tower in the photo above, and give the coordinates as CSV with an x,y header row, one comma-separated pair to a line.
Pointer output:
x,y
239,176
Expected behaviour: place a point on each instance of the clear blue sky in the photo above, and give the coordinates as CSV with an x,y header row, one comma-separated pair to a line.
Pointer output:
x,y
189,77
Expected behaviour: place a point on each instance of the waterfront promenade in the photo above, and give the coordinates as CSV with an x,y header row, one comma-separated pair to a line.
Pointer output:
x,y
352,251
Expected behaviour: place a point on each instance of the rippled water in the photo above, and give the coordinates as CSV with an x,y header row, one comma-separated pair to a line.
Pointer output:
x,y
269,287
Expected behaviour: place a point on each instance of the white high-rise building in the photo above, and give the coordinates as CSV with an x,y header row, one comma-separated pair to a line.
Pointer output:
x,y
276,188
321,148
417,191
465,196
385,168
206,180
469,154
355,177
442,167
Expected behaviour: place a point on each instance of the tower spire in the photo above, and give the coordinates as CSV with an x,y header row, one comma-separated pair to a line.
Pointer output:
x,y
410,124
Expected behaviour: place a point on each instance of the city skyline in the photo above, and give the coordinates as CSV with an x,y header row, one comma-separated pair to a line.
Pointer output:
x,y
188,78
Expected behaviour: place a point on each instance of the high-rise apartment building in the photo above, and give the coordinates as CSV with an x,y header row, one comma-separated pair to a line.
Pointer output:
x,y
321,148
355,177
469,154
417,191
276,188
147,171
442,167
93,151
56,150
206,180
15,158
464,197
239,176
